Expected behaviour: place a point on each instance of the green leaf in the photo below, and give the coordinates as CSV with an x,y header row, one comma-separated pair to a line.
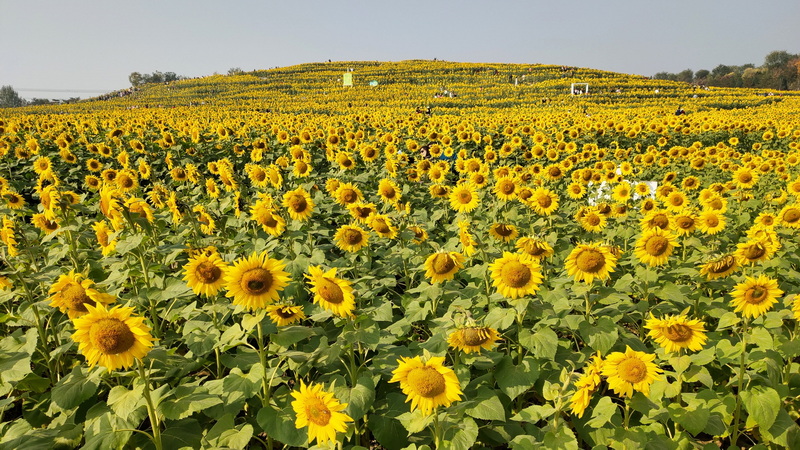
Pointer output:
x,y
692,418
74,388
602,412
124,401
534,413
182,434
415,421
129,243
514,380
561,438
15,355
463,436
783,432
600,336
762,404
359,399
291,335
188,400
500,318
487,406
280,425
174,287
543,343
224,434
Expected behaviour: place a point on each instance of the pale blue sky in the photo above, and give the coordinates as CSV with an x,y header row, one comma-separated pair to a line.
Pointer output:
x,y
87,45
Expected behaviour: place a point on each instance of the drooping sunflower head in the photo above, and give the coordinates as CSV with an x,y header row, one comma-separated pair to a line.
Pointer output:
x,y
71,293
473,339
675,333
719,267
503,232
283,315
535,247
382,225
332,293
442,266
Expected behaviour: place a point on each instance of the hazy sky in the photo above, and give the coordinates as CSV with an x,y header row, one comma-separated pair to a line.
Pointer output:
x,y
72,47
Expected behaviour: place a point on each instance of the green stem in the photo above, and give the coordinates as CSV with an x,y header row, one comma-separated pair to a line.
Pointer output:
x,y
627,415
151,410
262,357
437,430
740,386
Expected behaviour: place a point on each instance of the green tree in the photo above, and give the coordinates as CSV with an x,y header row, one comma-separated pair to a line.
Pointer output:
x,y
9,98
136,79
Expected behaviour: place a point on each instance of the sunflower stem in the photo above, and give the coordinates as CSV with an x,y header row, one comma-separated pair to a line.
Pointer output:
x,y
437,430
153,306
262,357
739,386
626,415
151,410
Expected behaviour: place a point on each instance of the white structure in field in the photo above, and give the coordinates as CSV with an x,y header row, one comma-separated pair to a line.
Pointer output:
x,y
579,88
347,79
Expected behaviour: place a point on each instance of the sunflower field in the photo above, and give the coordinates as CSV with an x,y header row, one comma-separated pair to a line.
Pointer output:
x,y
442,256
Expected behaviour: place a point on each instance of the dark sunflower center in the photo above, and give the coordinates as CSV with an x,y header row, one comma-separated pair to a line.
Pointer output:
x,y
723,265
285,312
352,237
443,263
207,272
298,203
381,226
515,274
656,245
593,220
330,291
256,281
426,382
388,192
474,336
75,297
755,251
632,370
111,336
745,177
712,221
792,215
317,412
544,201
349,196
661,221
590,261
685,223
464,197
504,230
755,295
439,190
678,333
507,188
268,220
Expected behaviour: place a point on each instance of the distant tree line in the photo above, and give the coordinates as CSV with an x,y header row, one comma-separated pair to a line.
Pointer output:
x,y
780,71
137,79
9,98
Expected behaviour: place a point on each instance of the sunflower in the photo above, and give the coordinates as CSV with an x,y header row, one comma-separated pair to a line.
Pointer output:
x,y
789,216
205,273
126,180
381,224
13,199
587,385
516,275
622,193
745,178
503,232
427,385
299,204
103,235
505,188
591,220
654,247
675,333
685,223
629,371
255,282
755,296
351,238
362,211
283,315
754,250
576,191
442,266
464,198
710,222
719,267
44,223
111,338
536,248
589,261
420,235
347,194
439,191
388,191
473,339
71,293
543,201
333,294
465,237
320,412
